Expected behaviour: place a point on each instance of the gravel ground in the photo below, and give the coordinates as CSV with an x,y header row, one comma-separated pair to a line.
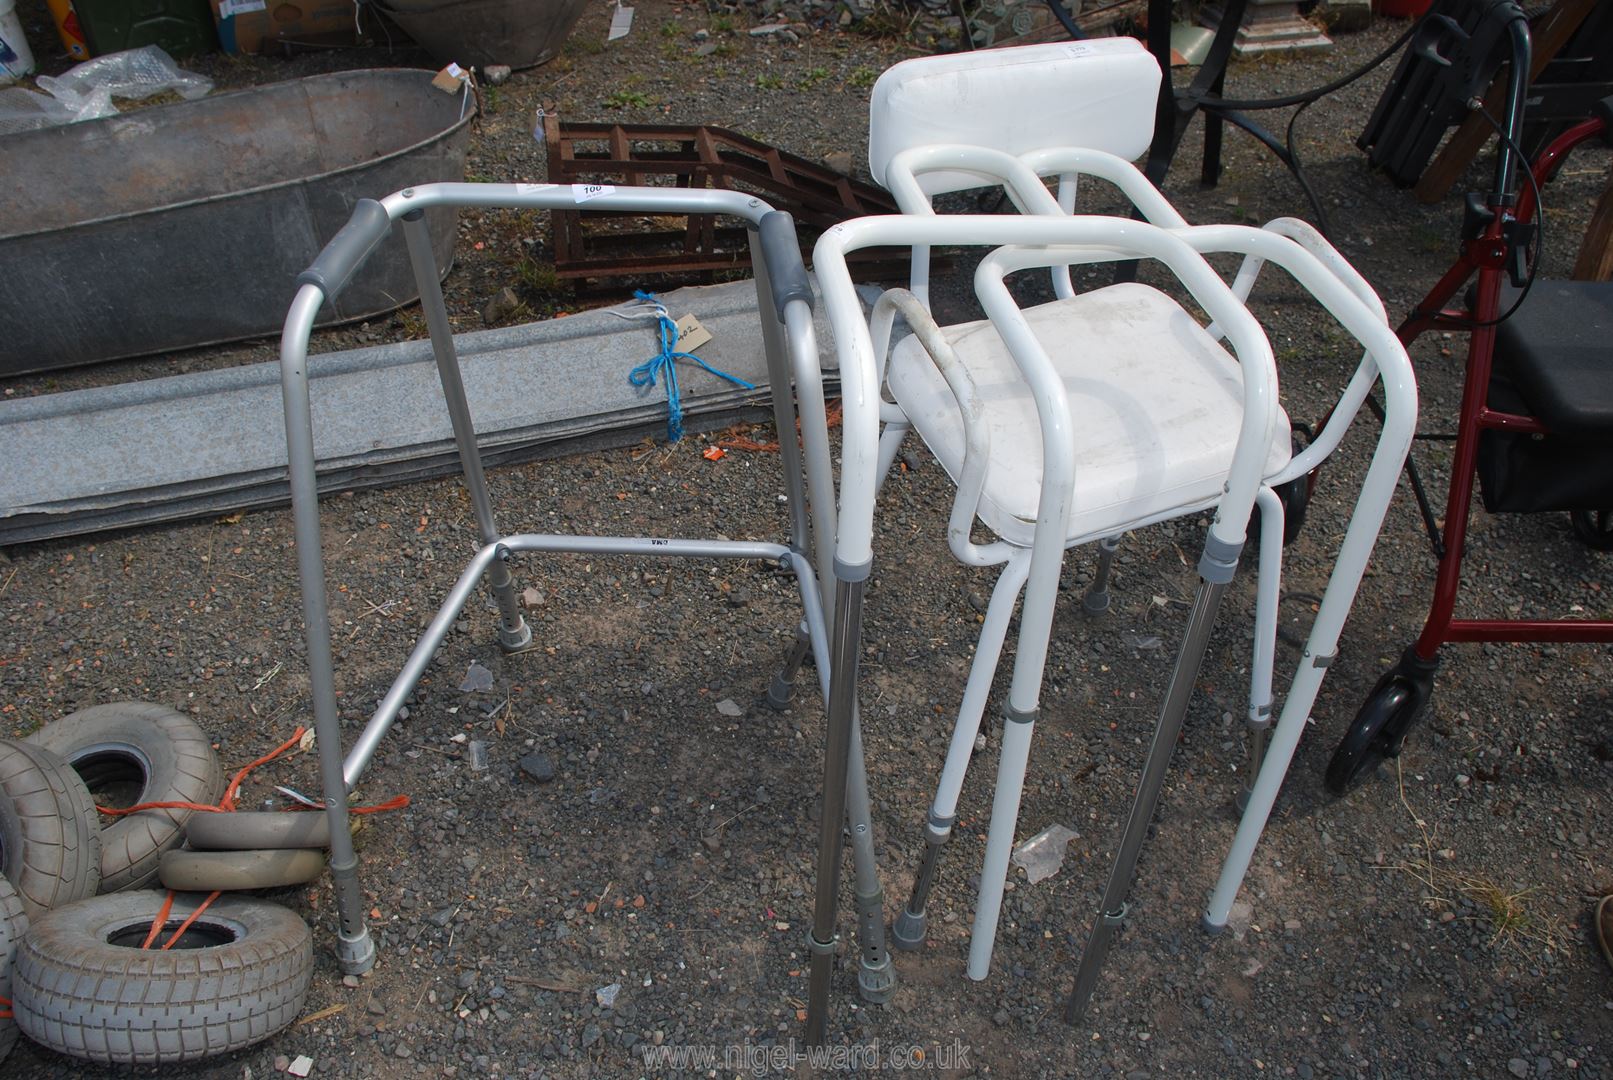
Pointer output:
x,y
1434,923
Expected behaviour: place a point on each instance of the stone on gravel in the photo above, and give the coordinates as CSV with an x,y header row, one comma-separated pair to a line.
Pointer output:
x,y
1518,1067
496,74
538,767
441,917
728,707
606,995
504,303
281,1063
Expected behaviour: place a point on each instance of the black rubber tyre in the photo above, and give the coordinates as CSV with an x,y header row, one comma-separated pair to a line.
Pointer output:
x,y
13,925
83,987
131,752
250,830
204,871
1376,734
50,835
1594,528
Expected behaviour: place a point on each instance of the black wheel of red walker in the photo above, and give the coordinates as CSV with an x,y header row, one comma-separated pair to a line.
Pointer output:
x,y
1380,727
1594,528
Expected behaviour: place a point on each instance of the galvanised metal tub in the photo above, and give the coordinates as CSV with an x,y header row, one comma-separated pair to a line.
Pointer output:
x,y
185,225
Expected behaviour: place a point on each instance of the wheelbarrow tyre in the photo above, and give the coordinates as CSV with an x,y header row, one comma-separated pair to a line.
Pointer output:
x,y
13,925
250,830
1594,528
132,752
50,835
204,871
82,986
1375,735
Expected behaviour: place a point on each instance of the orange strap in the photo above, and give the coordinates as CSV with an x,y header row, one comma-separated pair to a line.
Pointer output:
x,y
160,921
214,895
225,805
228,801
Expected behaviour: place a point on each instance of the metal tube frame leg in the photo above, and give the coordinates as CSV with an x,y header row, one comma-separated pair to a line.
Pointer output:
x,y
513,632
782,687
1267,591
908,932
846,637
1096,599
890,444
876,978
355,950
1112,909
781,383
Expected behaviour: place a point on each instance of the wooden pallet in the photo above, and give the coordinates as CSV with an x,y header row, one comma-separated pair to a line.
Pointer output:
x,y
596,245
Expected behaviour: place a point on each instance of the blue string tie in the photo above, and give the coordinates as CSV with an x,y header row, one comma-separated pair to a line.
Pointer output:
x,y
664,366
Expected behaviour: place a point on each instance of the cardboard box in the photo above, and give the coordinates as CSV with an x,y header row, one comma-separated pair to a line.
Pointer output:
x,y
254,26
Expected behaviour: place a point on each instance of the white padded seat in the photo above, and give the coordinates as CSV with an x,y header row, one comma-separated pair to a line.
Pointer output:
x,y
1156,404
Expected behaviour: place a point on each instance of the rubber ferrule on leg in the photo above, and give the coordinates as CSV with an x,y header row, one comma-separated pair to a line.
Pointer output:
x,y
355,954
907,932
779,692
1096,599
512,641
876,978
513,632
876,983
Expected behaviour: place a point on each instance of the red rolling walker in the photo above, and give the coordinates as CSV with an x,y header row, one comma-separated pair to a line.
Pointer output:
x,y
1536,419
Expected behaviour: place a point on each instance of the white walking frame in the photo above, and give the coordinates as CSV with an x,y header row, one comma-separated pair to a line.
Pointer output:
x,y
862,347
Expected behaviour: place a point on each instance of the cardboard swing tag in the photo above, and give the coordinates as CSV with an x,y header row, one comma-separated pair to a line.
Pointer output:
x,y
450,79
691,335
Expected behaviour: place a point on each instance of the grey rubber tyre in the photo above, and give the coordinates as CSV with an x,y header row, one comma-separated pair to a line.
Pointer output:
x,y
131,752
13,925
204,871
250,830
50,838
82,985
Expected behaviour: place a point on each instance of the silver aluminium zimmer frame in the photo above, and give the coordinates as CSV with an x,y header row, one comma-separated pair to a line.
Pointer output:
x,y
784,303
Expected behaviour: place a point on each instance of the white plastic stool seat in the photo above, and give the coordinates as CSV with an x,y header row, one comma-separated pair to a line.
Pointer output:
x,y
1156,402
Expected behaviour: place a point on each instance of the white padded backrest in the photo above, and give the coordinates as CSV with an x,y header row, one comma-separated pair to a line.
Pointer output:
x,y
1097,94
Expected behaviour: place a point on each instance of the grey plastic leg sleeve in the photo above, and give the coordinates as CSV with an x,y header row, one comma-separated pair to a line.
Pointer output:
x,y
1096,599
1112,909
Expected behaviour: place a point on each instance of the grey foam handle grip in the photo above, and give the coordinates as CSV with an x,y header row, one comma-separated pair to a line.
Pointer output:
x,y
348,249
782,252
